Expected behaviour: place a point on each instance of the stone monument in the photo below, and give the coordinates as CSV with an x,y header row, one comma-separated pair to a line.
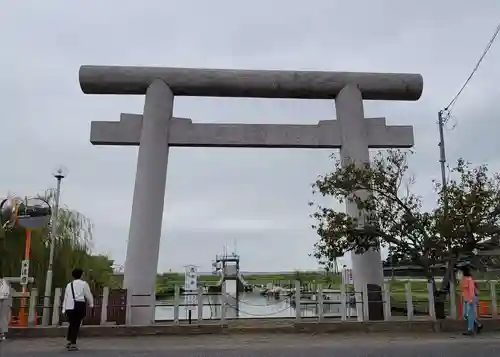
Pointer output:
x,y
155,130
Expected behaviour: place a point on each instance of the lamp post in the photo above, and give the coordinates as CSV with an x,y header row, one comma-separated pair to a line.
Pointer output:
x,y
28,214
59,174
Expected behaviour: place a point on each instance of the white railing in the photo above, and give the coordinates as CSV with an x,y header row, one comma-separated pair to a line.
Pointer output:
x,y
342,304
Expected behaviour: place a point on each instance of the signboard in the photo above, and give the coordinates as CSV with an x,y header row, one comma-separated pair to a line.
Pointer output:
x,y
25,269
347,276
191,287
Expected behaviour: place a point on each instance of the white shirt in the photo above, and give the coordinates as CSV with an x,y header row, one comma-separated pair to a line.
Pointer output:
x,y
82,293
4,289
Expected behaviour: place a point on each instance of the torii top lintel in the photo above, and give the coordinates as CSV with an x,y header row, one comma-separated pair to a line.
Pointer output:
x,y
249,83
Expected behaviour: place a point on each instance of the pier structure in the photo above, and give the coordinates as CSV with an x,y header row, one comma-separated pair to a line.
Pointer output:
x,y
228,267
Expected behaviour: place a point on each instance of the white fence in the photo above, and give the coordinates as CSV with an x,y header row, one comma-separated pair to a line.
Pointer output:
x,y
340,305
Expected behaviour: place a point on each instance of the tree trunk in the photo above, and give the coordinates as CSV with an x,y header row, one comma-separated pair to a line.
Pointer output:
x,y
439,304
440,297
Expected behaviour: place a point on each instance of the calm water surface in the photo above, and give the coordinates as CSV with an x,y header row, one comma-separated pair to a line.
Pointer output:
x,y
252,305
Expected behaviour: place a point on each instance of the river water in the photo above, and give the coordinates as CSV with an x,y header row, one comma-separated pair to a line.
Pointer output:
x,y
251,305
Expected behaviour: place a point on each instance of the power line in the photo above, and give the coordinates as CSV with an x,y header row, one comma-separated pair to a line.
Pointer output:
x,y
445,114
443,117
449,107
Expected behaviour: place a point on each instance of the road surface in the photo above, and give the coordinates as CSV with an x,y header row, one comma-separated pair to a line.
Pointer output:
x,y
374,345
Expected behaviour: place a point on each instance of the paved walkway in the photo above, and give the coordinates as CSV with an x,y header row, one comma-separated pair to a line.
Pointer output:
x,y
379,345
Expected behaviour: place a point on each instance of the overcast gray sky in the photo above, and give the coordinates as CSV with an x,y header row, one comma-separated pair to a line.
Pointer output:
x,y
215,197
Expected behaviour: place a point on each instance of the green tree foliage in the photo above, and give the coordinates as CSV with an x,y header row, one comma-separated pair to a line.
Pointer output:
x,y
392,216
72,249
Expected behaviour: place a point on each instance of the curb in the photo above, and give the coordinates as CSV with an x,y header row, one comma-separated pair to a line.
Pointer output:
x,y
396,327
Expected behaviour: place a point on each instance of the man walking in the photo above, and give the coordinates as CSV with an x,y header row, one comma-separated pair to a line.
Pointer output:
x,y
76,298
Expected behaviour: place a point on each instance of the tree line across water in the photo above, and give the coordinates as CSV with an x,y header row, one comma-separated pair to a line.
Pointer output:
x,y
166,282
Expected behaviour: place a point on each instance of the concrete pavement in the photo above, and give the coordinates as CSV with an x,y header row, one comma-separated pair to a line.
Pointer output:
x,y
255,345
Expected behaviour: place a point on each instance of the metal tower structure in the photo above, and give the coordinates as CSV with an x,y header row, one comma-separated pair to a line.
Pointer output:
x,y
228,267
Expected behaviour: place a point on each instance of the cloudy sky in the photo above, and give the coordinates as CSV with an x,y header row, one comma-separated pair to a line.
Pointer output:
x,y
254,198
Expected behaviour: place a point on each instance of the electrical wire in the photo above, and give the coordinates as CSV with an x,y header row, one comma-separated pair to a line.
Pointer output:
x,y
450,126
449,107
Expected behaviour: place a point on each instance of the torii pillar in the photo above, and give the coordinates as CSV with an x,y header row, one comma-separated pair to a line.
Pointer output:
x,y
156,130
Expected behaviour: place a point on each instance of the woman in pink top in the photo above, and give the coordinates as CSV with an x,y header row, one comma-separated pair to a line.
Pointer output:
x,y
469,298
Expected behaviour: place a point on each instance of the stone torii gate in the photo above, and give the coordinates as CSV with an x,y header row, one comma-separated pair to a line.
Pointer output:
x,y
156,130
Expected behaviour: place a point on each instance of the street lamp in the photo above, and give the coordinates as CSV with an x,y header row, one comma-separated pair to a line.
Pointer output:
x,y
28,214
59,174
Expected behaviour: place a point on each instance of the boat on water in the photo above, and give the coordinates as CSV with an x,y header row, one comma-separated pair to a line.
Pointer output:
x,y
274,291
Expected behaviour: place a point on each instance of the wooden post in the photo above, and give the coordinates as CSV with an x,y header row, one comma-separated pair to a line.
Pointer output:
x,y
366,308
56,309
200,304
409,301
223,303
32,315
359,305
432,306
343,303
153,310
128,311
177,297
298,314
320,302
494,303
387,301
453,301
104,305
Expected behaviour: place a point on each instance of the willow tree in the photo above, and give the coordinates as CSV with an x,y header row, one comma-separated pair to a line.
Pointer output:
x,y
465,215
73,243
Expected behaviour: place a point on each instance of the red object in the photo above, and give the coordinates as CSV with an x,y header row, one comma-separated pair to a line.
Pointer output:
x,y
23,317
483,309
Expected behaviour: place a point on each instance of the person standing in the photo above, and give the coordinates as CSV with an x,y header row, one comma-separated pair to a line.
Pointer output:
x,y
469,298
77,297
5,307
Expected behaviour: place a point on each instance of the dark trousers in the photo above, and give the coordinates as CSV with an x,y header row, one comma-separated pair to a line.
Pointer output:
x,y
75,318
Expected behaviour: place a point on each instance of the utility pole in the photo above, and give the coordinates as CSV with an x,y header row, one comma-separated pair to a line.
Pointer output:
x,y
442,160
59,175
444,188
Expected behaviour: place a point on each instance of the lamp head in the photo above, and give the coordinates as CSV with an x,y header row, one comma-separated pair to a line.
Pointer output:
x,y
60,172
